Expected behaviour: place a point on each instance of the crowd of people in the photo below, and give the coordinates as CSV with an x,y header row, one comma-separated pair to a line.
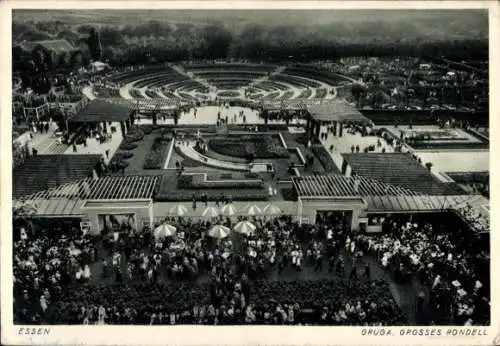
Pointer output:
x,y
452,265
282,272
44,262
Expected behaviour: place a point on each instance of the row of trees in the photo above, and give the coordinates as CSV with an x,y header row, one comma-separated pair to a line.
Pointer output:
x,y
160,41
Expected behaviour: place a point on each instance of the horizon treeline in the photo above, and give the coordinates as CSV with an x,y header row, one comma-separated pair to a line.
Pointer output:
x,y
165,41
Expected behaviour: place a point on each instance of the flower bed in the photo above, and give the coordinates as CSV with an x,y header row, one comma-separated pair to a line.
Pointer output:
x,y
249,146
169,196
199,182
158,153
324,157
228,94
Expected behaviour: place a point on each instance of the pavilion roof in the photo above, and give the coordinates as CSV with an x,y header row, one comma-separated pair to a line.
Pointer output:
x,y
44,172
103,188
100,110
337,185
336,110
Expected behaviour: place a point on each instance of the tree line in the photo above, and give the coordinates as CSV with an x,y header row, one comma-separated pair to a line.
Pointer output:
x,y
157,41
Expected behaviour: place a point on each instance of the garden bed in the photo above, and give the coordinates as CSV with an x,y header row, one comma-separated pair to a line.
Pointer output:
x,y
228,94
248,146
199,181
168,190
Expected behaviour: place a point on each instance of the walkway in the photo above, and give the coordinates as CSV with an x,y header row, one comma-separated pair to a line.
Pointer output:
x,y
187,149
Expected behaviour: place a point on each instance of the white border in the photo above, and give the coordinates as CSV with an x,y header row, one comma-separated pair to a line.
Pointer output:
x,y
196,335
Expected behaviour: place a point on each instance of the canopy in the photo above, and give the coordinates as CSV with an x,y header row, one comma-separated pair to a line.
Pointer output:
x,y
244,227
219,232
252,210
164,231
178,210
100,111
228,210
210,212
337,110
272,209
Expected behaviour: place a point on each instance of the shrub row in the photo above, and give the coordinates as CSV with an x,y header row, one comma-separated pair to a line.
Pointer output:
x,y
128,146
324,157
157,154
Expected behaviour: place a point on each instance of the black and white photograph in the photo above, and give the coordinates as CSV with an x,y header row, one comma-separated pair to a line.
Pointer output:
x,y
237,167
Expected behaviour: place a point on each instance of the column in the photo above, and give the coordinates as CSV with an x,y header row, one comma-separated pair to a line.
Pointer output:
x,y
341,129
335,128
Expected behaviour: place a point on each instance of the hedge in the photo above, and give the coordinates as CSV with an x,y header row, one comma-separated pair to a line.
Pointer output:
x,y
190,182
147,129
324,157
157,155
128,146
124,155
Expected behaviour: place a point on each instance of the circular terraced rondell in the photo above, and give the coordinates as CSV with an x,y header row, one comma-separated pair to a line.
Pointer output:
x,y
194,83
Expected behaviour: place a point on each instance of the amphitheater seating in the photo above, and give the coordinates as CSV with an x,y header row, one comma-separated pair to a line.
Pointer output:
x,y
286,95
130,76
187,85
136,94
229,83
270,86
400,170
327,77
159,80
107,92
305,94
295,81
229,66
320,93
223,74
272,96
152,94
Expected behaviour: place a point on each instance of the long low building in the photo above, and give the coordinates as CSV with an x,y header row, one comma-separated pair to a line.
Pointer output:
x,y
94,200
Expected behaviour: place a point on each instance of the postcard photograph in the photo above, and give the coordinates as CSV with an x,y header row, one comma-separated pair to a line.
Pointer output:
x,y
251,168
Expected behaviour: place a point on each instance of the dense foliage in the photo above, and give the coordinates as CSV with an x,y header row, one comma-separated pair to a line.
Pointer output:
x,y
228,36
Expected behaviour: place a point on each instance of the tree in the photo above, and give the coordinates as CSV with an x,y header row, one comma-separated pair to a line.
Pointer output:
x,y
20,152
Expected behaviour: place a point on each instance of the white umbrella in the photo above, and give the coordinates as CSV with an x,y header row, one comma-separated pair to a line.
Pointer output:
x,y
178,210
164,231
219,232
244,227
252,210
272,209
228,210
210,212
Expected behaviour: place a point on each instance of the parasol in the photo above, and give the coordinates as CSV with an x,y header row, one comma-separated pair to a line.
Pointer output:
x,y
219,232
228,210
178,210
164,231
210,212
252,210
272,209
244,227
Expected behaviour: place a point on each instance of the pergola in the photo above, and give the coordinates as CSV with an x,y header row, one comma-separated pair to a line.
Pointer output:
x,y
333,111
90,198
336,185
101,111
